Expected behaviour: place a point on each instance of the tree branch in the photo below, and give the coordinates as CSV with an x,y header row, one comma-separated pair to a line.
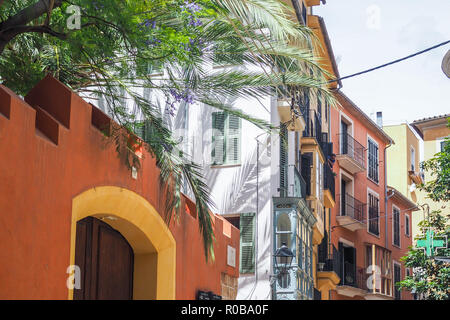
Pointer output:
x,y
17,24
29,13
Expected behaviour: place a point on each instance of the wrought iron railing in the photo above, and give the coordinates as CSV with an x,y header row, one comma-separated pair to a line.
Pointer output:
x,y
329,258
313,126
353,276
352,148
292,183
351,207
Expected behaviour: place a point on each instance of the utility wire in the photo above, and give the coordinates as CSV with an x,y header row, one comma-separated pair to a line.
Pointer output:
x,y
392,62
370,219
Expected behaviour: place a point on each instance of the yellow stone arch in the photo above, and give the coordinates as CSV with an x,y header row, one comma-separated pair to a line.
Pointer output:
x,y
137,220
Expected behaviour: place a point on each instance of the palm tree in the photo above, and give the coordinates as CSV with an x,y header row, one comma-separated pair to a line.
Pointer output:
x,y
108,59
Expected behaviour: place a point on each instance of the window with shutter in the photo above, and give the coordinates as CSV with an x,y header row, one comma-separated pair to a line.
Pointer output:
x,y
307,162
233,139
247,245
373,160
283,160
218,138
396,226
397,278
226,140
407,225
373,215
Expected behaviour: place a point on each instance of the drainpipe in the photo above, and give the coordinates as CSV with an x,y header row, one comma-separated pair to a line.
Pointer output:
x,y
386,197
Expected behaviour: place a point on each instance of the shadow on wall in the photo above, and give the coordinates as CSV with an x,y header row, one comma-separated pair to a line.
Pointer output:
x,y
240,194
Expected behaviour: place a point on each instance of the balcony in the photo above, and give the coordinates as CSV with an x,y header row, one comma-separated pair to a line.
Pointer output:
x,y
351,154
328,186
313,135
329,267
351,214
292,183
290,115
353,281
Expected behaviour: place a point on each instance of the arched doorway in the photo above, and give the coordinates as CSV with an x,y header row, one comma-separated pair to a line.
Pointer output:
x,y
139,223
106,262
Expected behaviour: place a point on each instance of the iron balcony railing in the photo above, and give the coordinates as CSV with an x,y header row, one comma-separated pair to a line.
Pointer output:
x,y
353,276
292,183
313,126
352,148
351,207
329,257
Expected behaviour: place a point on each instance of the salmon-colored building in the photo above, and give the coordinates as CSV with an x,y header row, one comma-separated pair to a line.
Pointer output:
x,y
76,222
360,230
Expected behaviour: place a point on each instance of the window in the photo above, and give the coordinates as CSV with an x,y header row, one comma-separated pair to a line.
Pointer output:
x,y
381,266
226,139
373,160
305,280
284,232
319,178
247,250
397,278
413,159
374,217
304,13
396,226
407,225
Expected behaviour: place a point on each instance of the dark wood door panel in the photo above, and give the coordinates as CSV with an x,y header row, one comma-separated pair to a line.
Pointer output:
x,y
106,261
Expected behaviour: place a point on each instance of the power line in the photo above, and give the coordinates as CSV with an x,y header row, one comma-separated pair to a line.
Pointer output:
x,y
392,62
370,219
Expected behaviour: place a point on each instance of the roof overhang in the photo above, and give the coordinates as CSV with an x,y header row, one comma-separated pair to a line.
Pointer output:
x,y
397,195
351,107
421,125
324,50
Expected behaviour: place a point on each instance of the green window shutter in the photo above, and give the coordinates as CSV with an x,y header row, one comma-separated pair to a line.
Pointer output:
x,y
247,245
233,140
218,138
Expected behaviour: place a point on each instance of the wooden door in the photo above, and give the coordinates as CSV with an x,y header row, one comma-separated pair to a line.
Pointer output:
x,y
106,262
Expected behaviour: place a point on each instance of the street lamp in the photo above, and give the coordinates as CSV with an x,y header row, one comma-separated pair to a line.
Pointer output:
x,y
283,259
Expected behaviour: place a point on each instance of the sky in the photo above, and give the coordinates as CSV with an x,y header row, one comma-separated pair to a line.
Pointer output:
x,y
368,33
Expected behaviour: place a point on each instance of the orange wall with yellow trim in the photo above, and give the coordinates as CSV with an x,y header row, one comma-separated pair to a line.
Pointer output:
x,y
39,179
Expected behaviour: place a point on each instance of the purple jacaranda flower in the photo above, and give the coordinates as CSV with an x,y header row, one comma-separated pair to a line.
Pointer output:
x,y
194,22
191,6
148,24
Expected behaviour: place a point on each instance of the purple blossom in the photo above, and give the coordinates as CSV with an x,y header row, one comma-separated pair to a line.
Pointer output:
x,y
185,96
191,6
148,23
195,22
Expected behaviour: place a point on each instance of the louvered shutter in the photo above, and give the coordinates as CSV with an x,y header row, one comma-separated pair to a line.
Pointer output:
x,y
218,138
283,161
233,140
307,161
247,254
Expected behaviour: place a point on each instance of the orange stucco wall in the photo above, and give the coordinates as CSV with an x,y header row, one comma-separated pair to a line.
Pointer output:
x,y
41,171
361,183
405,241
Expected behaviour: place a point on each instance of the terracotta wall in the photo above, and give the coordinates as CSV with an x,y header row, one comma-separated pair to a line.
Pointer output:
x,y
362,183
405,241
50,152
